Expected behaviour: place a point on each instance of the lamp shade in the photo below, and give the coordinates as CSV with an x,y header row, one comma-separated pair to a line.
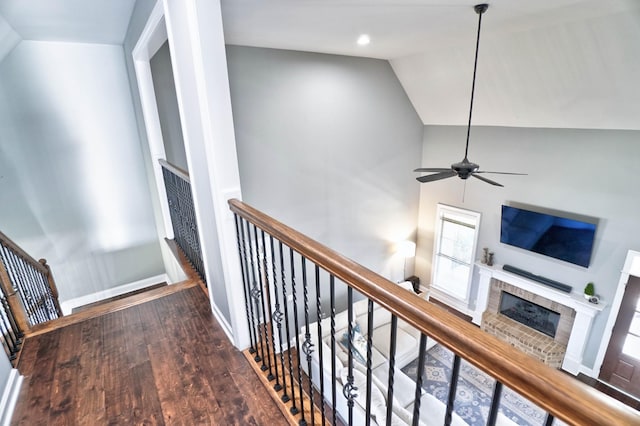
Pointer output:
x,y
407,249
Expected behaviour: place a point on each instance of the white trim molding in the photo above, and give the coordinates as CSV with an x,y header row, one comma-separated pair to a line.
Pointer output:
x,y
68,305
631,268
10,396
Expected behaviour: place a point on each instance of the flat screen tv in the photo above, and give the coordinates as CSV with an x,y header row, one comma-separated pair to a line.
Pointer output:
x,y
562,238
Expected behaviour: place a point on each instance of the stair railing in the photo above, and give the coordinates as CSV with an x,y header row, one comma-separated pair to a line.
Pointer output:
x,y
29,294
182,212
293,307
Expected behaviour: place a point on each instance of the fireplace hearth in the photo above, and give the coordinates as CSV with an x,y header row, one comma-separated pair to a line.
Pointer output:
x,y
530,314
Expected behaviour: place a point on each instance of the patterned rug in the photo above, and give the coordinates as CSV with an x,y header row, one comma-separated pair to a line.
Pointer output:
x,y
474,390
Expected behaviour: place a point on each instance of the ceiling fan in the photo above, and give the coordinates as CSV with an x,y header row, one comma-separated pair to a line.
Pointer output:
x,y
464,168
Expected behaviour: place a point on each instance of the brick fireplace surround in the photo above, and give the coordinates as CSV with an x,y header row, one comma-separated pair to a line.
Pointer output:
x,y
576,317
547,349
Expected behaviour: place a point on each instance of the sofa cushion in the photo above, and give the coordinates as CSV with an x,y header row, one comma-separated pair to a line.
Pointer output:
x,y
405,342
404,389
432,412
341,352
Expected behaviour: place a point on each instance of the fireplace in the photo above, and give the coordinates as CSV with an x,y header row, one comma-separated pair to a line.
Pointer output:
x,y
573,329
530,314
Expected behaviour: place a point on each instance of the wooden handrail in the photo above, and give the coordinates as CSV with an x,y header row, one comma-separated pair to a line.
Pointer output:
x,y
554,391
181,173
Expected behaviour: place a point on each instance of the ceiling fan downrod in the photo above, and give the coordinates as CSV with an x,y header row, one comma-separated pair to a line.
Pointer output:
x,y
480,9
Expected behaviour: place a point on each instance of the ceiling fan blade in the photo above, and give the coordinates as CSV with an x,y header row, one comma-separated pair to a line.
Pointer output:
x,y
484,179
432,169
431,178
501,173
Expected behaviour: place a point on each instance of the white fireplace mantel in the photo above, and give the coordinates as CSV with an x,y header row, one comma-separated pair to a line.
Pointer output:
x,y
585,311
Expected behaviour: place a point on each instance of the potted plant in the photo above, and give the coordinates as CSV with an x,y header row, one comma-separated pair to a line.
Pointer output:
x,y
589,291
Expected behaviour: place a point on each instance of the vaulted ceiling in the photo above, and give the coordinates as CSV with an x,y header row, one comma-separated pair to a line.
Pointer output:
x,y
542,63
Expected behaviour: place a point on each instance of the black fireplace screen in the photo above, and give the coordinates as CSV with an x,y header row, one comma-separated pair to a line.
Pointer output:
x,y
528,313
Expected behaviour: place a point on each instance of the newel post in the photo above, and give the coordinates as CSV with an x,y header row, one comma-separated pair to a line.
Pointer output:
x,y
52,286
15,305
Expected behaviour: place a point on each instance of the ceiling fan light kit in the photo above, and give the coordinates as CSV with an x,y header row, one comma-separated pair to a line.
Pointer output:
x,y
464,168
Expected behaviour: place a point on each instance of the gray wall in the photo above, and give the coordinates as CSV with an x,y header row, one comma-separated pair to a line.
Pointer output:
x,y
587,172
72,184
167,101
326,144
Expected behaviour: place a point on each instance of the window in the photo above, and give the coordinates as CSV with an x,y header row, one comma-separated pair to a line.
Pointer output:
x,y
456,237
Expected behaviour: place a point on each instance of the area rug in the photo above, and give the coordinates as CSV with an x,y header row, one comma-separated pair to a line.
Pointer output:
x,y
474,391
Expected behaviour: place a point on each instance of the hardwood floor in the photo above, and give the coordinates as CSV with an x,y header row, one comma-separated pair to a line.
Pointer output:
x,y
165,361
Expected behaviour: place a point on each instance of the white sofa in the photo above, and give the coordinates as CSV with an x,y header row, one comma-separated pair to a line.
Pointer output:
x,y
432,411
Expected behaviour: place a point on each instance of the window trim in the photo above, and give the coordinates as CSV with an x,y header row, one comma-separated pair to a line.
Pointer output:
x,y
441,210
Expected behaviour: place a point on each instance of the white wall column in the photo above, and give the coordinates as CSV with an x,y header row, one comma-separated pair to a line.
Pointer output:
x,y
196,40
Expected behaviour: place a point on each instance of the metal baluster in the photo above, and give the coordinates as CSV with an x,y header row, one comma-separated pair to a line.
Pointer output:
x,y
350,391
17,282
422,351
285,396
549,420
266,306
294,293
369,355
495,404
255,295
40,292
277,314
307,346
12,339
455,371
392,365
332,291
319,317
245,277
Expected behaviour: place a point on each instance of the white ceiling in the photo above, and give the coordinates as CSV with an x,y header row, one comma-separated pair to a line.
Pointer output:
x,y
543,63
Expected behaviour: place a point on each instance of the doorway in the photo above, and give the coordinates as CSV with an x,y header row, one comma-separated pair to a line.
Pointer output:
x,y
621,365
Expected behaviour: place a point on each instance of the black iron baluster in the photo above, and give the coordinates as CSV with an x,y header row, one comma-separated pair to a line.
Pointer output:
x,y
307,346
19,285
245,276
262,315
392,366
495,404
350,391
255,296
369,355
183,219
13,336
549,420
298,330
332,302
285,396
319,317
266,301
422,351
276,312
455,371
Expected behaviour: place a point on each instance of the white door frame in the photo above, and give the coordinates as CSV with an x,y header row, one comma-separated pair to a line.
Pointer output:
x,y
631,268
153,36
193,29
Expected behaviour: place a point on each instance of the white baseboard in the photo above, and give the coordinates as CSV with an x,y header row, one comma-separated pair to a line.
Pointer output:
x,y
68,305
10,396
223,322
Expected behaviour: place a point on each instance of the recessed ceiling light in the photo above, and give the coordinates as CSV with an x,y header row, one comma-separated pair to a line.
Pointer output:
x,y
364,39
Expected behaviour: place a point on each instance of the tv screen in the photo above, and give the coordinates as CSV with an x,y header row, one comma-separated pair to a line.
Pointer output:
x,y
559,237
